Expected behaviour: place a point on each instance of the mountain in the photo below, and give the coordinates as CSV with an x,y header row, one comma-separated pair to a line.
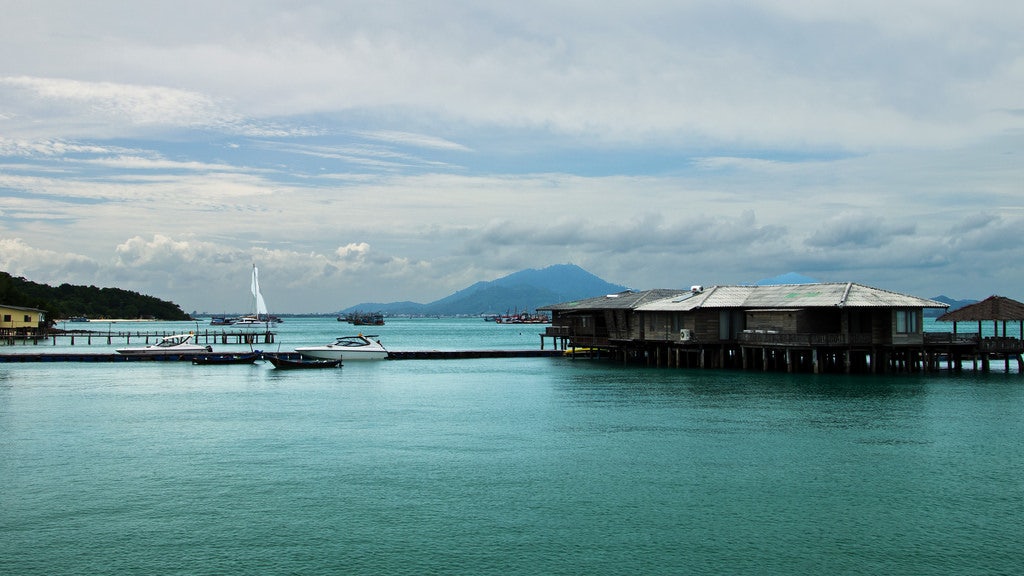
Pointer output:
x,y
953,305
524,291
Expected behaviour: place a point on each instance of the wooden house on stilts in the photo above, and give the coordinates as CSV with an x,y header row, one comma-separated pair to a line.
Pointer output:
x,y
821,327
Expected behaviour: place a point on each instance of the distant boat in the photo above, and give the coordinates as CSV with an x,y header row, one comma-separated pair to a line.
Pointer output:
x,y
168,346
229,358
259,306
221,321
284,363
78,319
523,318
347,348
363,318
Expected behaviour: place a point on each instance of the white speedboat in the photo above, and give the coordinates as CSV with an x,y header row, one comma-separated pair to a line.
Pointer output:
x,y
168,345
347,348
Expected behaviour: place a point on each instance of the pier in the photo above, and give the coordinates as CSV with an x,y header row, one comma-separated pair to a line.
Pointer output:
x,y
399,355
140,337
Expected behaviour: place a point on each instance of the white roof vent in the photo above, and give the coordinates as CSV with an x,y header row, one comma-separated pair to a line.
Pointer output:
x,y
696,288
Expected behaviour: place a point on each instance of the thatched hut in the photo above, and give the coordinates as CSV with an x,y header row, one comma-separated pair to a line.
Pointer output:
x,y
995,308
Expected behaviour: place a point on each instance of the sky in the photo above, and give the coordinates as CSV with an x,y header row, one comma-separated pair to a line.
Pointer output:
x,y
379,151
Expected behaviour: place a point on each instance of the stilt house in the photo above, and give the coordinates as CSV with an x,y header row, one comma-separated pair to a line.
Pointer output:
x,y
748,326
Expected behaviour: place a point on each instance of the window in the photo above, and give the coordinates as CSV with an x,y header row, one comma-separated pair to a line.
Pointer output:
x,y
7,317
27,318
906,322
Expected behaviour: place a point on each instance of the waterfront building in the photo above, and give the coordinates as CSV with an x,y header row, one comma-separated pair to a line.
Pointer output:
x,y
20,322
820,327
18,317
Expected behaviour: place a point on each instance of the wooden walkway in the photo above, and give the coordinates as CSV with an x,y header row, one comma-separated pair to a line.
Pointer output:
x,y
139,337
402,355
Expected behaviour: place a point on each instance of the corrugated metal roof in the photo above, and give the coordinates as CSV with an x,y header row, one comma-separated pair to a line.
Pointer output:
x,y
822,295
22,308
623,300
991,308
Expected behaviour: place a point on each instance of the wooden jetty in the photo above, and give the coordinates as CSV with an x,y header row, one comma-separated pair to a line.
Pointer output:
x,y
464,354
141,337
401,355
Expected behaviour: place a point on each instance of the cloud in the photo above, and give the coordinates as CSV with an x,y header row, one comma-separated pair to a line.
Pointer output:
x,y
849,231
40,265
409,150
847,78
987,232
411,139
94,104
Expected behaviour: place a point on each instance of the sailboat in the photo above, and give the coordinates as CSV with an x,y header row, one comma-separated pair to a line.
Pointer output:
x,y
260,314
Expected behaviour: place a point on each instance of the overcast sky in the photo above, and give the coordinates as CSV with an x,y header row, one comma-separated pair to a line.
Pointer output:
x,y
384,151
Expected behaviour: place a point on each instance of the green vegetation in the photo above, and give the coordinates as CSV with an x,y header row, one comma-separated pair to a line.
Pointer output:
x,y
66,301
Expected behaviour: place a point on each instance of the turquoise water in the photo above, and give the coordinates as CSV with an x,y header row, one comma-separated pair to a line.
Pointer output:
x,y
510,466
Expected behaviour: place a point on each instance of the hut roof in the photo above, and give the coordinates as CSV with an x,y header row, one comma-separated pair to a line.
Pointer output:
x,y
991,308
821,295
623,300
22,308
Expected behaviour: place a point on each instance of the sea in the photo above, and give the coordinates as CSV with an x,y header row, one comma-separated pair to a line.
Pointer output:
x,y
508,466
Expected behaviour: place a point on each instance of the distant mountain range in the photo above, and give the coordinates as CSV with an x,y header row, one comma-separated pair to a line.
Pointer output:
x,y
527,290
953,305
522,291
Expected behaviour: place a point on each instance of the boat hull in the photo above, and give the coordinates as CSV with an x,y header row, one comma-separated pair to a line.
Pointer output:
x,y
286,363
347,348
220,359
328,353
175,345
164,351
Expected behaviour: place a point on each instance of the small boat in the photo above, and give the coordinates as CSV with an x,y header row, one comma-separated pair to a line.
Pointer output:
x,y
248,321
284,362
168,346
221,321
347,348
582,352
228,358
363,318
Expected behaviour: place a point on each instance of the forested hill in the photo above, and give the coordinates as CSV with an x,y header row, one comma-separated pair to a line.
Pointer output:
x,y
66,301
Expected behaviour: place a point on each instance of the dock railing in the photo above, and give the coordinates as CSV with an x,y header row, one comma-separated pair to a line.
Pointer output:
x,y
1001,345
771,338
960,338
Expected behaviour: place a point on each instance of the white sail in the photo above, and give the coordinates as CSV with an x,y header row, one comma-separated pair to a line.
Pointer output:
x,y
259,305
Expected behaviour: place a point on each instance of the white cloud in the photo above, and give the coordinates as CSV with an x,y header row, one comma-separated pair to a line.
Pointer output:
x,y
647,142
411,139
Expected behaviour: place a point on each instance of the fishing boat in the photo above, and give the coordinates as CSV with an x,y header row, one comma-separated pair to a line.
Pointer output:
x,y
168,346
347,348
363,318
228,358
286,363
